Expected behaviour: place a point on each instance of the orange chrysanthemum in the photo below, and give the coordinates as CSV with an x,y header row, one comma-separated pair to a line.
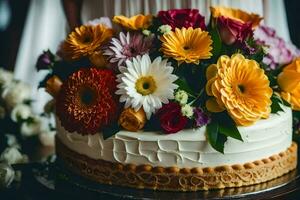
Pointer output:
x,y
289,83
134,23
85,41
236,14
187,45
87,101
240,86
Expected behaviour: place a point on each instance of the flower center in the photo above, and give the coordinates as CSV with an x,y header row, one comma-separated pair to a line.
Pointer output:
x,y
241,88
87,39
186,48
145,85
87,96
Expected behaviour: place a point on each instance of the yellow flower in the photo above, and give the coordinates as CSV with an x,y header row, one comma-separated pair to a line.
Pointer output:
x,y
132,120
85,41
187,45
289,82
53,85
134,23
240,86
236,14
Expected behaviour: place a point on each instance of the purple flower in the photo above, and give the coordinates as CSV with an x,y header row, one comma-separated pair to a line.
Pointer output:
x,y
279,52
201,118
45,60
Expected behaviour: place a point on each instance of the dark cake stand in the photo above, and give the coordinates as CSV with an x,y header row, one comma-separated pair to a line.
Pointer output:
x,y
55,179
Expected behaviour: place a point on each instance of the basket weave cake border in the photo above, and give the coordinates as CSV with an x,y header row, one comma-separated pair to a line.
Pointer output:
x,y
178,179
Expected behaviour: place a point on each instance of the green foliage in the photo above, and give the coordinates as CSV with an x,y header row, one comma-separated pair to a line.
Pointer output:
x,y
276,104
220,128
227,126
215,138
111,130
217,43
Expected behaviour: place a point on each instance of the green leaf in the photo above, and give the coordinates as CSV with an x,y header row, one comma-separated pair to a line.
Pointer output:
x,y
276,101
217,42
183,85
215,138
228,127
111,130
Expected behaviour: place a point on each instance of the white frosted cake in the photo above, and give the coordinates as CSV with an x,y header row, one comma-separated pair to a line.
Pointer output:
x,y
267,145
168,102
187,148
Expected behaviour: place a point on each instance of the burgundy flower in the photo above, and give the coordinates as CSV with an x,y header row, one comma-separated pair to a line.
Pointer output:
x,y
171,119
45,60
201,118
233,31
179,18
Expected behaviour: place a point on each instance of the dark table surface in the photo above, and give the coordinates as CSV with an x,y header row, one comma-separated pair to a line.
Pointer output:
x,y
31,189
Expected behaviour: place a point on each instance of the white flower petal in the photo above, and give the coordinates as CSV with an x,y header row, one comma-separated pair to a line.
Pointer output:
x,y
139,67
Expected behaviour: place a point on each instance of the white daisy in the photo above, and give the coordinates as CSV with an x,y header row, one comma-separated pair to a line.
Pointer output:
x,y
146,84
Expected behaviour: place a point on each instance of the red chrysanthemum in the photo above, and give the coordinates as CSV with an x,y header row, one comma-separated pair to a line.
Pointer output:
x,y
87,101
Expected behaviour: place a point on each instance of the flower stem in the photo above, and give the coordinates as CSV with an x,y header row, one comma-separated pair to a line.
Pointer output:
x,y
197,97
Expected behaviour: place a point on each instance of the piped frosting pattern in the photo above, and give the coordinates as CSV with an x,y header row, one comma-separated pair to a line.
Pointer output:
x,y
188,148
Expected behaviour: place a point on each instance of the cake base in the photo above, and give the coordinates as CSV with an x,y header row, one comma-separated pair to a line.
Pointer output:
x,y
178,179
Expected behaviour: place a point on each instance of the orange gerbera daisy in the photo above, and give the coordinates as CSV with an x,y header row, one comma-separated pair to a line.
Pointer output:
x,y
85,41
87,101
240,86
187,45
236,14
135,22
289,83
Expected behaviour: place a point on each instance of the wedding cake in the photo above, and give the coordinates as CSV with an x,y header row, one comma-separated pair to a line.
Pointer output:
x,y
170,103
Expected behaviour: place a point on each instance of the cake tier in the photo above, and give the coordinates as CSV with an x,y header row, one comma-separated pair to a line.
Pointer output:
x,y
185,149
178,179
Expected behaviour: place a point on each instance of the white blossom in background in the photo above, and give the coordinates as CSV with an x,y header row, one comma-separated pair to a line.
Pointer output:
x,y
12,140
47,138
16,93
6,77
7,175
11,155
102,20
21,111
31,128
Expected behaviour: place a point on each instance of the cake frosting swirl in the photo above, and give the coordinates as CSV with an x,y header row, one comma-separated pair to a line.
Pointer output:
x,y
188,148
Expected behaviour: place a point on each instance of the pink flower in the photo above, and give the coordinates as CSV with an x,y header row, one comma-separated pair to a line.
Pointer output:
x,y
233,31
179,18
127,47
171,119
279,52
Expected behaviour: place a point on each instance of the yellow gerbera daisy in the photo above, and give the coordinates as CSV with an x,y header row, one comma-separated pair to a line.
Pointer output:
x,y
240,86
135,22
85,41
187,45
236,14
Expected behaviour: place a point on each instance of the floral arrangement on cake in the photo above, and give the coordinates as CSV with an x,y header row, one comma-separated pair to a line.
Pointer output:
x,y
171,72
